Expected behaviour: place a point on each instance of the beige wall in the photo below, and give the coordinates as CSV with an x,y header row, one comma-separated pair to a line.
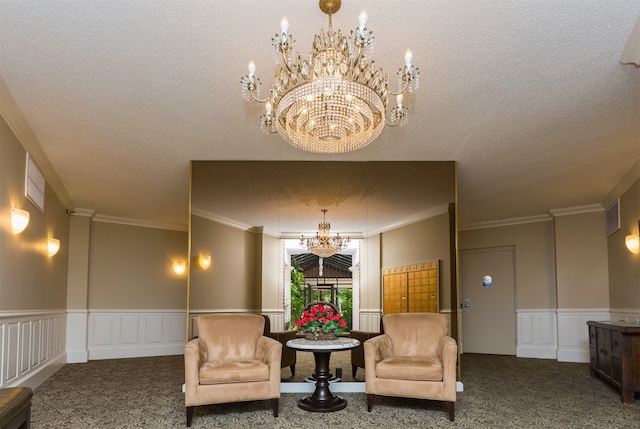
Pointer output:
x,y
230,282
370,276
535,259
79,258
624,266
581,261
131,267
271,291
423,241
29,279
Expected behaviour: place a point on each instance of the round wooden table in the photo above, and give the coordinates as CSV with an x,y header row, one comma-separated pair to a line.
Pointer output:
x,y
322,400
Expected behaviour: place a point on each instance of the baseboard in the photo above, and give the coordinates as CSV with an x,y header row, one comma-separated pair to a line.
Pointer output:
x,y
578,356
77,356
341,387
133,352
536,352
37,377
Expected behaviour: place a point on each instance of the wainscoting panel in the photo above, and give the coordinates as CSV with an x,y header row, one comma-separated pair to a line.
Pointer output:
x,y
573,334
276,319
117,334
370,320
32,347
625,315
536,333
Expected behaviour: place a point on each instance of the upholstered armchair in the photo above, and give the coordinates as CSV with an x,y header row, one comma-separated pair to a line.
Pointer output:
x,y
289,357
231,361
414,358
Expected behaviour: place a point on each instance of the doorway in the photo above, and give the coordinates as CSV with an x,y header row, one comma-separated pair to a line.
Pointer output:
x,y
488,300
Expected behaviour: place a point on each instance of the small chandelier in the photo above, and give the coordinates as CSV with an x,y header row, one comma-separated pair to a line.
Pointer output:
x,y
323,244
336,100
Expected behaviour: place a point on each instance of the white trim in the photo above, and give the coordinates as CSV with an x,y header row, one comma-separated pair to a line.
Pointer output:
x,y
573,335
90,213
220,219
625,315
31,347
418,217
568,211
140,222
42,373
77,322
536,333
505,222
370,320
113,334
29,313
224,310
341,387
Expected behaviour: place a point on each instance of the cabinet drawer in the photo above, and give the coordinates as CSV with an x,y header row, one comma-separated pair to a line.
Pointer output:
x,y
593,357
616,339
592,336
616,370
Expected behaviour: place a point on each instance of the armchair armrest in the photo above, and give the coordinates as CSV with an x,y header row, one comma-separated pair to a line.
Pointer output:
x,y
448,352
195,354
378,348
375,349
269,351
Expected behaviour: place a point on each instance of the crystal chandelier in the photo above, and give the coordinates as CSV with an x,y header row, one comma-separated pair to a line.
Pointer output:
x,y
336,100
323,244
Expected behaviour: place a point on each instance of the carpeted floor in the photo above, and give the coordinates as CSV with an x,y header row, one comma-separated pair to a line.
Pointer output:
x,y
499,392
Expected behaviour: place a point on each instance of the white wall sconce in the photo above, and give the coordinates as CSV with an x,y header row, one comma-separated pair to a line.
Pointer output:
x,y
632,242
204,261
53,245
179,268
19,220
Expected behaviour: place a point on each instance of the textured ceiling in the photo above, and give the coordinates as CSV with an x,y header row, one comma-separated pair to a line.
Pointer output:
x,y
529,98
285,198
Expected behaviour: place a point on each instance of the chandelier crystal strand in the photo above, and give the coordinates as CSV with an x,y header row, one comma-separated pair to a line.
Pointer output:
x,y
323,244
336,99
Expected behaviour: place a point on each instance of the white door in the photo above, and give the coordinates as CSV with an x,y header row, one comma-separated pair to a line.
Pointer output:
x,y
488,301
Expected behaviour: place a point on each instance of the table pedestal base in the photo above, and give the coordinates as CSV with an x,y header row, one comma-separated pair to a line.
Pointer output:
x,y
322,400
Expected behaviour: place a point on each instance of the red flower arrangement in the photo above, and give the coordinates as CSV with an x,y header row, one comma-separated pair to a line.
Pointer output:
x,y
321,319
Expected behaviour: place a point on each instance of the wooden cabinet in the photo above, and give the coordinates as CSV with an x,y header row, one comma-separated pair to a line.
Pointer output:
x,y
614,349
411,288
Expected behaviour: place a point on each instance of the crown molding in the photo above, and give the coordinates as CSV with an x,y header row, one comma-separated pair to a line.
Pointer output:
x,y
141,223
233,223
427,214
506,222
568,211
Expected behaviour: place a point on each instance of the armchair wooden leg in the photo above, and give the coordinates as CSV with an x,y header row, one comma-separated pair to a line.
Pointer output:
x,y
354,369
370,397
451,407
190,411
293,370
274,406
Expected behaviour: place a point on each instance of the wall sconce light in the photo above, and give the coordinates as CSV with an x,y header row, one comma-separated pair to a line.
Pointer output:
x,y
53,245
19,220
179,268
204,261
632,242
